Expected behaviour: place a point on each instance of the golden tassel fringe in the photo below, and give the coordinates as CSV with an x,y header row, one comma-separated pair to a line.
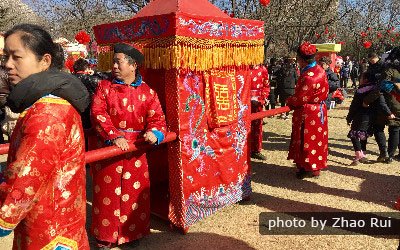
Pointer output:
x,y
192,53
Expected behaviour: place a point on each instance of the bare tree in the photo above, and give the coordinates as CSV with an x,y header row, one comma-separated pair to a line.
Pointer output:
x,y
13,12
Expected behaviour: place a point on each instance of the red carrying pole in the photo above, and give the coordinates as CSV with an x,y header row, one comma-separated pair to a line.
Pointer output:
x,y
267,113
107,152
111,151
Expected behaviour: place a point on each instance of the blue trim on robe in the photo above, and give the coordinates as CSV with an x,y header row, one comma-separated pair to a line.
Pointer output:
x,y
309,66
138,81
4,232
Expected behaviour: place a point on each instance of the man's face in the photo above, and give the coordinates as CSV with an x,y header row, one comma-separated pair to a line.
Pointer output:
x,y
323,65
373,60
122,69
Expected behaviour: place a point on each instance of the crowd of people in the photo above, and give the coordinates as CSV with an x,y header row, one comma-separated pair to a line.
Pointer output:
x,y
43,187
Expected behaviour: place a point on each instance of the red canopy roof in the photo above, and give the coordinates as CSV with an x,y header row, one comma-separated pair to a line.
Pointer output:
x,y
193,7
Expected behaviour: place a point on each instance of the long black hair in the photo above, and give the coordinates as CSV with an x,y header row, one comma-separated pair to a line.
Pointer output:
x,y
39,41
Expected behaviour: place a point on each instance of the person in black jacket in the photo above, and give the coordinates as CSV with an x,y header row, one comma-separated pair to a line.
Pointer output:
x,y
286,82
333,80
358,118
4,92
81,71
376,67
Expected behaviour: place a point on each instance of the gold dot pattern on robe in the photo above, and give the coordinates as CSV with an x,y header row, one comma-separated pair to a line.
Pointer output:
x,y
121,240
105,222
122,124
131,108
127,176
143,216
96,210
119,169
138,163
118,191
123,218
125,197
117,212
115,235
152,113
136,185
146,175
96,189
106,201
135,206
101,118
132,227
107,179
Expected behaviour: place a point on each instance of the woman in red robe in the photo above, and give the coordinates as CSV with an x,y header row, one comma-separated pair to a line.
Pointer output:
x,y
309,140
42,193
124,110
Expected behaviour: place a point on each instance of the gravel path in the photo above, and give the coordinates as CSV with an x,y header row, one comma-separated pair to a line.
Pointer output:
x,y
363,188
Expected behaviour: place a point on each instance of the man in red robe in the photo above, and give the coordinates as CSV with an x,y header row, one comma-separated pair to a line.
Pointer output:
x,y
259,93
309,140
124,110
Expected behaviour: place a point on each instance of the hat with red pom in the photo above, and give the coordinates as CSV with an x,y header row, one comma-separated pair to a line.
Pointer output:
x,y
307,50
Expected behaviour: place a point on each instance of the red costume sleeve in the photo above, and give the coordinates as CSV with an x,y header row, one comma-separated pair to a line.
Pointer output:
x,y
266,85
100,117
155,118
36,159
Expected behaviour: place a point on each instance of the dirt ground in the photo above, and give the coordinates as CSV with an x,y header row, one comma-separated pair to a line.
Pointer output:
x,y
342,188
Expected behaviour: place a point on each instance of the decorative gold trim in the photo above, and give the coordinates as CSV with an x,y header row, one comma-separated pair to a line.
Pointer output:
x,y
61,240
47,100
191,53
6,225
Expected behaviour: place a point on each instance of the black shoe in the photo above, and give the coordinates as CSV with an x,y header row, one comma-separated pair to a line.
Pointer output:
x,y
364,160
382,158
258,156
389,160
301,174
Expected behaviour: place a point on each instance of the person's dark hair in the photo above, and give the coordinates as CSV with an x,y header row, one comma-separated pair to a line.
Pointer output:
x,y
38,41
59,58
80,65
372,55
394,54
325,59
